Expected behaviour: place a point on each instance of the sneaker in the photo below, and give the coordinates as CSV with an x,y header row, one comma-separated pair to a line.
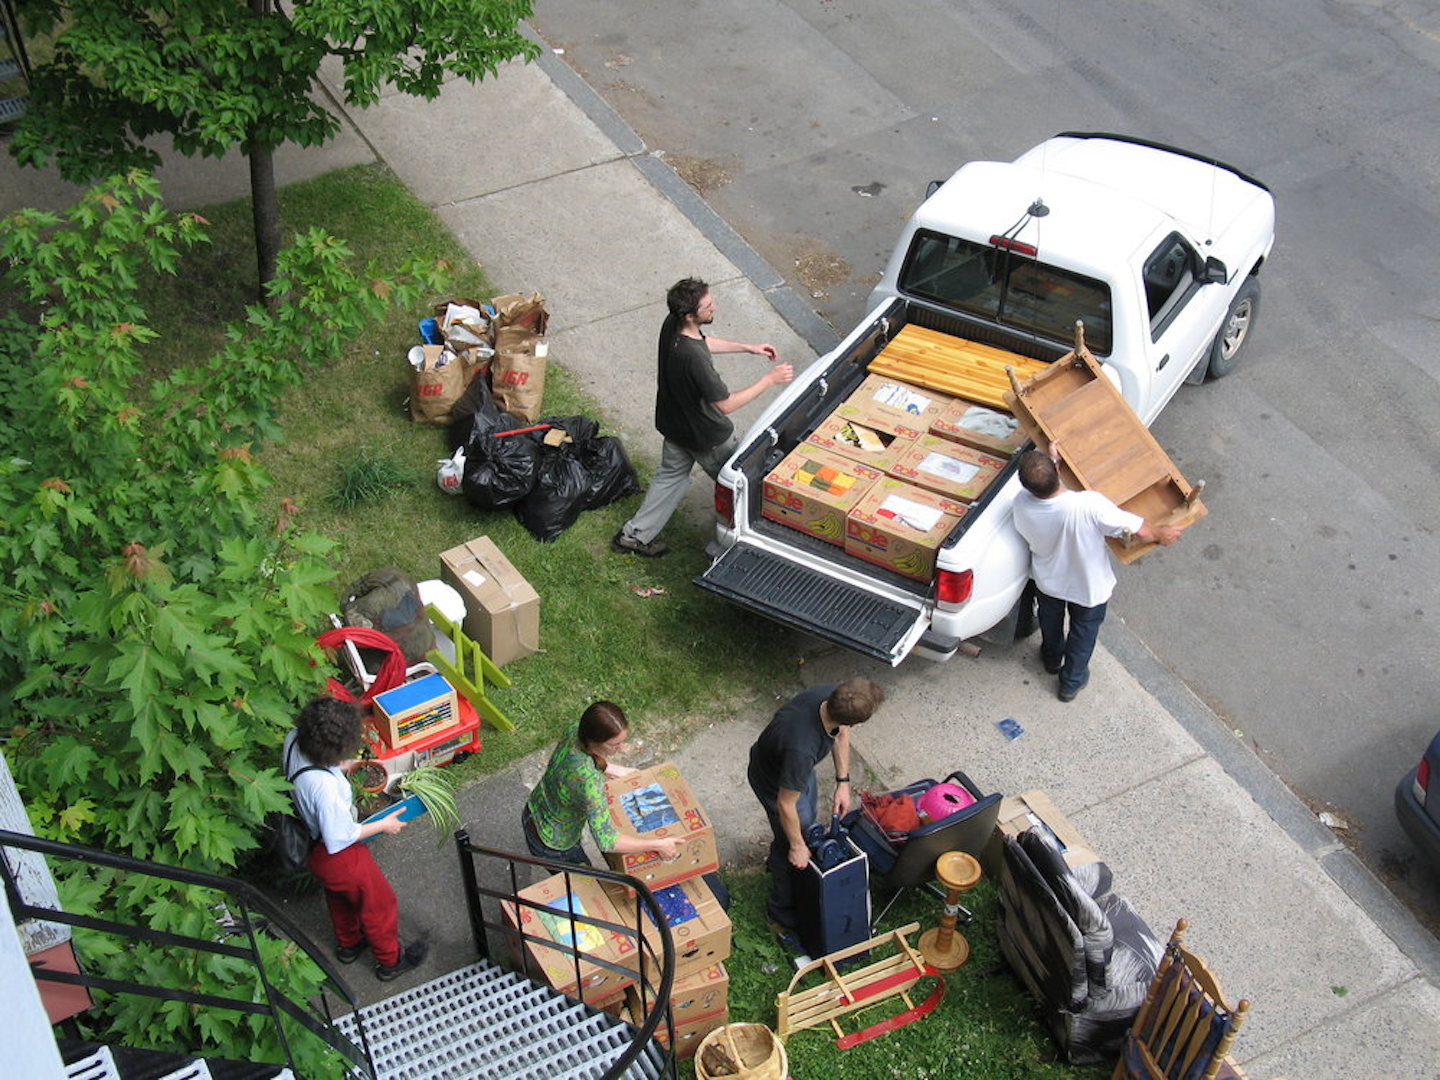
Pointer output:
x,y
1070,695
411,957
629,545
348,954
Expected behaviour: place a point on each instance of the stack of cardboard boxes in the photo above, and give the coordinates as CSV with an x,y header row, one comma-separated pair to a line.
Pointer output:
x,y
891,471
649,803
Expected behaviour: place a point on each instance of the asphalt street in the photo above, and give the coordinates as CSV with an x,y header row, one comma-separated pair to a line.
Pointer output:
x,y
1302,611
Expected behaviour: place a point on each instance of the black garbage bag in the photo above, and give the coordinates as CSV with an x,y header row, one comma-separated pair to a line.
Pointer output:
x,y
499,470
476,414
579,428
612,476
561,485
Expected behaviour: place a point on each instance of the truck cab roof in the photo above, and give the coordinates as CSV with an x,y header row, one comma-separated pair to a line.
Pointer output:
x,y
1103,194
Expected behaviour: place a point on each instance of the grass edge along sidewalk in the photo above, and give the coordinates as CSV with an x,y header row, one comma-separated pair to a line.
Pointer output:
x,y
675,660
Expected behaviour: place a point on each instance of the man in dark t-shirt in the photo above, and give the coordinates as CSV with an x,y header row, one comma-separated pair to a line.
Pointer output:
x,y
692,410
810,725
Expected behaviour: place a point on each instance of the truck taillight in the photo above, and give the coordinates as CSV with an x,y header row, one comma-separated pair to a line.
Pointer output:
x,y
953,586
725,505
1422,780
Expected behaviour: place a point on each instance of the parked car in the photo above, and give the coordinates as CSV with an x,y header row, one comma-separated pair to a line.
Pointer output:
x,y
1417,802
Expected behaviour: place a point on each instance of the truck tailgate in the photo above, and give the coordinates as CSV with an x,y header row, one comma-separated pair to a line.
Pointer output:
x,y
815,602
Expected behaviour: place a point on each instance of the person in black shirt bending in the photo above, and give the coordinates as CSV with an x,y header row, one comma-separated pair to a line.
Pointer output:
x,y
810,725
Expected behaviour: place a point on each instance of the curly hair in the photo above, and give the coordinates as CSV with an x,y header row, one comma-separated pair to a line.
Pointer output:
x,y
684,297
854,701
328,730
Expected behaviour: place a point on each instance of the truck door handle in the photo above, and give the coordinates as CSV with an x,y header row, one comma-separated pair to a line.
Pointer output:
x,y
1163,361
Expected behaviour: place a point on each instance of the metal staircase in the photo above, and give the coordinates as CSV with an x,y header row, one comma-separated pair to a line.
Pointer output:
x,y
480,1021
14,67
484,1021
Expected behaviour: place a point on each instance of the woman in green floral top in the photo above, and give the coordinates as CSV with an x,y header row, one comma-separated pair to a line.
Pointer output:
x,y
571,793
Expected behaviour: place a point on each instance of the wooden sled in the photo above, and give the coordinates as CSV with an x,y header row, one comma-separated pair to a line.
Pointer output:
x,y
839,994
1102,444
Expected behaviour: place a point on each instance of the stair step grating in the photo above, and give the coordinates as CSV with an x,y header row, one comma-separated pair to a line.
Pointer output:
x,y
483,1021
98,1066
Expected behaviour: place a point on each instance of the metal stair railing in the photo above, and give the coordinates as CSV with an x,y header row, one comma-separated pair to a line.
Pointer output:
x,y
250,905
654,992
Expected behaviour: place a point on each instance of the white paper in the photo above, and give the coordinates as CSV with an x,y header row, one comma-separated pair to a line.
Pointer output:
x,y
948,468
904,398
908,512
542,349
474,577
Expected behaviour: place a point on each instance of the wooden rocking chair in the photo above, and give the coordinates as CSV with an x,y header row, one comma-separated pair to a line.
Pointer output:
x,y
1184,1027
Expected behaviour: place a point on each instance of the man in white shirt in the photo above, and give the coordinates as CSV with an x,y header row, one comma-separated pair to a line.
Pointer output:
x,y
362,905
1070,563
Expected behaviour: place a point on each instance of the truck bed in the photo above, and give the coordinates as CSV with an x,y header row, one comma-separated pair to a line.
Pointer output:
x,y
815,586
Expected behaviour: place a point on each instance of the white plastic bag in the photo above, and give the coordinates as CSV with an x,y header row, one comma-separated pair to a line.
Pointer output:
x,y
450,472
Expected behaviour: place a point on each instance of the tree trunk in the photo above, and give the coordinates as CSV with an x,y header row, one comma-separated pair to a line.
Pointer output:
x,y
264,207
266,213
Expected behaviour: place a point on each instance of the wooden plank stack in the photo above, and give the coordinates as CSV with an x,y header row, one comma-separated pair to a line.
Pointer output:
x,y
952,365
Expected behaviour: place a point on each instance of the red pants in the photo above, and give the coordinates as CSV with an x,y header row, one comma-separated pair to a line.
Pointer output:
x,y
362,904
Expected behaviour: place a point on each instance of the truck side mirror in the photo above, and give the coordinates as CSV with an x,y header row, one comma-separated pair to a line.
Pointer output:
x,y
933,187
1215,272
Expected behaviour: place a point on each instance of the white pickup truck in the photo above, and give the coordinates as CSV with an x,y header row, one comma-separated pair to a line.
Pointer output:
x,y
1154,249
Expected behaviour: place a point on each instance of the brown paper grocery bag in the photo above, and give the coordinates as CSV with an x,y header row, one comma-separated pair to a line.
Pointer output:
x,y
517,373
436,386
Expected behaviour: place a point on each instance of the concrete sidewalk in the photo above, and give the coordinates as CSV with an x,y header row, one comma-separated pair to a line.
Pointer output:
x,y
559,196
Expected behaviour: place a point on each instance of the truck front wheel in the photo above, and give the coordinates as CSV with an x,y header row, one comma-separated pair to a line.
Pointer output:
x,y
1235,330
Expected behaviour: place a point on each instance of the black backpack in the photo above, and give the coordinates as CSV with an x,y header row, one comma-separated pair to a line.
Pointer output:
x,y
287,839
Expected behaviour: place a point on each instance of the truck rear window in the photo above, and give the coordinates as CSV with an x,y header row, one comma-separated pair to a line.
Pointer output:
x,y
1007,288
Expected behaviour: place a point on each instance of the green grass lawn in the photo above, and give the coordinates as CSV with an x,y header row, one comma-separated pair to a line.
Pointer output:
x,y
984,1028
674,661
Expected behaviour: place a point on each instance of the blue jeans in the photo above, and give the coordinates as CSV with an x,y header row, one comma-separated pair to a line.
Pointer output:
x,y
1071,649
780,905
575,856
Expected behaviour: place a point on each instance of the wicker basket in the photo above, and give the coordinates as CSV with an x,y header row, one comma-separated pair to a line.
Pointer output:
x,y
754,1048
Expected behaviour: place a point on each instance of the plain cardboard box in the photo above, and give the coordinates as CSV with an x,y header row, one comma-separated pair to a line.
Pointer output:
x,y
884,401
556,966
980,426
700,931
1032,809
870,445
947,468
900,527
813,489
502,610
657,803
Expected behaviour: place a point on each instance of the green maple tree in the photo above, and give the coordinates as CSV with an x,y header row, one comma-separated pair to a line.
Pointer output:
x,y
156,631
217,75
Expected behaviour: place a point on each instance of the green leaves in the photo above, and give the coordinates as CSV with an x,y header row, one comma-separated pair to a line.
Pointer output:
x,y
156,635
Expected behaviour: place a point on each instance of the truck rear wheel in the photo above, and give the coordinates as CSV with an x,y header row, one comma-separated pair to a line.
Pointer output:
x,y
1235,330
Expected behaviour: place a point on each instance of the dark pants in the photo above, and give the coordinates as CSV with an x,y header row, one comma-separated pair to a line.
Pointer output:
x,y
780,905
360,900
1071,649
575,856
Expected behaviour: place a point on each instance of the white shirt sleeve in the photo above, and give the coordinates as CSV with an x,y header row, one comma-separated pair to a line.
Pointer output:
x,y
324,802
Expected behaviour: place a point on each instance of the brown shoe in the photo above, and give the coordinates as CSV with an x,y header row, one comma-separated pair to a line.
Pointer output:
x,y
629,545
